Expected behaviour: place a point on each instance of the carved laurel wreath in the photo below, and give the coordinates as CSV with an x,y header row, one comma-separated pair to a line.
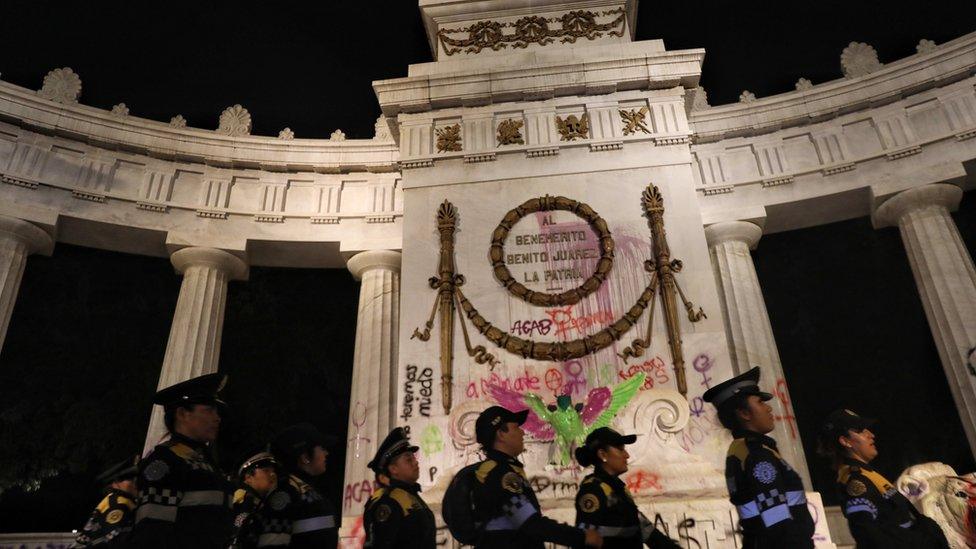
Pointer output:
x,y
496,253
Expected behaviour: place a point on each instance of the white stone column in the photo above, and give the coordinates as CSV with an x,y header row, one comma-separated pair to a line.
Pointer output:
x,y
372,409
18,239
748,331
193,348
946,282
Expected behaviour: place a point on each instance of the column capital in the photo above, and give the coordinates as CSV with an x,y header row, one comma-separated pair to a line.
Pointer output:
x,y
734,231
36,239
221,260
373,259
893,209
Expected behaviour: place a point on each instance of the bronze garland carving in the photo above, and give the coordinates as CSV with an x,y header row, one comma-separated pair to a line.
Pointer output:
x,y
496,252
448,138
448,284
532,30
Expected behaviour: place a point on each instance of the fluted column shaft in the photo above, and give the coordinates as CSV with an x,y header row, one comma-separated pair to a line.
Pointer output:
x,y
946,282
193,348
18,239
372,402
748,330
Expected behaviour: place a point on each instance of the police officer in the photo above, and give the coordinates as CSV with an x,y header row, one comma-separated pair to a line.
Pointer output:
x,y
878,514
298,515
503,498
257,476
396,515
603,501
184,498
765,489
111,521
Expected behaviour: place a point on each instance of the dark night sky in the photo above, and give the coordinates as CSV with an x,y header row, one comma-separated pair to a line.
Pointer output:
x,y
86,339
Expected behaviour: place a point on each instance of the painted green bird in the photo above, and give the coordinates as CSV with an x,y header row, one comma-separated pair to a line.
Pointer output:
x,y
564,422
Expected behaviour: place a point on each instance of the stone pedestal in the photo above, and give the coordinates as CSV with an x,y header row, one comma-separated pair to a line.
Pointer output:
x,y
193,348
372,397
946,282
18,239
747,327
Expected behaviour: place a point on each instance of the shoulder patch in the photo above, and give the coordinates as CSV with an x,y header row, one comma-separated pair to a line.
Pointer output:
x,y
512,482
114,516
589,503
402,498
155,470
383,513
856,488
739,450
765,472
483,470
279,500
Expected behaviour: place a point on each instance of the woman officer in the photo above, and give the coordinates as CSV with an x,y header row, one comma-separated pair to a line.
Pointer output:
x,y
603,501
878,514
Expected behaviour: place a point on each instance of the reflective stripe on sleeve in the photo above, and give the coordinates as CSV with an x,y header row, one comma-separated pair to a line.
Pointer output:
x,y
312,524
156,511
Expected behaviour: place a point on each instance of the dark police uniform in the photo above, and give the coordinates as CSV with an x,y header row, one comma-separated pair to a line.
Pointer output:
x,y
249,504
504,500
878,514
110,523
296,514
184,498
396,515
603,501
767,492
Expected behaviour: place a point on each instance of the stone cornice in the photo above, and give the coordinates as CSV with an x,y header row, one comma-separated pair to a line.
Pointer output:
x,y
639,65
948,62
101,128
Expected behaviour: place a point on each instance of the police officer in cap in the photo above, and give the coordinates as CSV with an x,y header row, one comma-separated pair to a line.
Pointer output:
x,y
879,516
395,515
603,501
184,498
298,514
111,521
258,477
503,498
765,489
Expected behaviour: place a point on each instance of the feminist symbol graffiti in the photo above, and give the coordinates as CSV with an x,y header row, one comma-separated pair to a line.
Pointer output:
x,y
358,420
703,364
697,407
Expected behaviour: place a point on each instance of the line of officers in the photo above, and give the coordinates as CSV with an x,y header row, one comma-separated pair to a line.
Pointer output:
x,y
177,497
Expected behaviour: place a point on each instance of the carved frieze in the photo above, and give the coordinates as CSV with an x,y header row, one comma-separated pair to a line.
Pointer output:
x,y
633,120
573,127
449,138
533,29
510,132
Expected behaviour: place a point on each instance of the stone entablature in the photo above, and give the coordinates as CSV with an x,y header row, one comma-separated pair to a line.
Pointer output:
x,y
840,164
595,124
931,68
165,140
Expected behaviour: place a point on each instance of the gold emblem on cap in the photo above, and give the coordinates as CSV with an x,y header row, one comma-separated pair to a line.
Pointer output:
x,y
856,488
512,482
589,503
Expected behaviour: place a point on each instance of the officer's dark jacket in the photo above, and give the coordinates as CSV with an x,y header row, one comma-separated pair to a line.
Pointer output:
x,y
767,493
184,499
604,503
396,516
879,516
248,519
507,506
111,522
296,515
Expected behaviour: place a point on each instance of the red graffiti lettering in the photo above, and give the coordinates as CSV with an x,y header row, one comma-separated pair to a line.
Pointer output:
x,y
656,373
522,383
530,327
566,322
783,396
358,492
643,481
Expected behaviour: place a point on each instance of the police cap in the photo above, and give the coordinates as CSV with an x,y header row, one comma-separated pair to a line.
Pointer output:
x,y
263,458
741,385
601,438
393,445
297,439
204,389
839,422
491,419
